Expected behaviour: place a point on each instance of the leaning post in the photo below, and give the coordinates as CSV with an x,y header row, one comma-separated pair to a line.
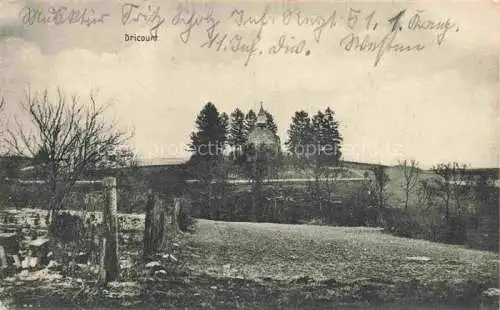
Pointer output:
x,y
110,222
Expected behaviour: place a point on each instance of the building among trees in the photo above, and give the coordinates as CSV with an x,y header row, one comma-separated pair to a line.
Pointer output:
x,y
263,136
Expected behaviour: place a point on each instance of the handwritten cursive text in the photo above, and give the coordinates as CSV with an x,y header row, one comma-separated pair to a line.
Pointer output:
x,y
59,15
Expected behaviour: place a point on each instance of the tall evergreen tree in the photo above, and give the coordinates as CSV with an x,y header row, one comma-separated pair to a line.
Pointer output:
x,y
207,145
316,139
224,123
209,139
317,129
250,120
271,125
237,133
326,136
299,134
331,137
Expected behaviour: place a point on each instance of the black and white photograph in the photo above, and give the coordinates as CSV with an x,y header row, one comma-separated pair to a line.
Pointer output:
x,y
249,154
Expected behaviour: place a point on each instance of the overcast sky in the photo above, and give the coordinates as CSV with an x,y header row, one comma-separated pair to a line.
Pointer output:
x,y
438,104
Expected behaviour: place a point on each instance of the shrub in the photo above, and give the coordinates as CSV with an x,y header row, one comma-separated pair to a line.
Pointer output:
x,y
396,221
185,219
287,204
67,228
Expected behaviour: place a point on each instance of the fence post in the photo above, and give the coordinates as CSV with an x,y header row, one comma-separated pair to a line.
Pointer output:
x,y
148,225
160,220
176,215
156,226
102,260
110,222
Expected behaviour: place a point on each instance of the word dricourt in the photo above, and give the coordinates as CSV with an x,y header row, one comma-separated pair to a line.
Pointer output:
x,y
140,38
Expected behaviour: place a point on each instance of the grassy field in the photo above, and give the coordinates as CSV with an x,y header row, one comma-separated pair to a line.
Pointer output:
x,y
229,265
343,264
323,252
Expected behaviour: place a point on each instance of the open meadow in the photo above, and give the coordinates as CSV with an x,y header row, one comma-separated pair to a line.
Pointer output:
x,y
237,265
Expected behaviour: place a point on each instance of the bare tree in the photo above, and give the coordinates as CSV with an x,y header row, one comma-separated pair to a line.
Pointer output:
x,y
381,181
453,185
67,139
445,172
459,184
427,193
411,176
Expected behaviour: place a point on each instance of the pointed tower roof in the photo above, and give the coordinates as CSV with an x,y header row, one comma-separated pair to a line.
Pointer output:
x,y
261,135
262,116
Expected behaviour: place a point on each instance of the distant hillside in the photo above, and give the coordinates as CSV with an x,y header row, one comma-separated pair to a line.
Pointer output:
x,y
493,173
359,165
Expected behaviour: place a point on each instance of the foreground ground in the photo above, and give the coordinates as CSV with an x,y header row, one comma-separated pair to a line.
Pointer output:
x,y
261,265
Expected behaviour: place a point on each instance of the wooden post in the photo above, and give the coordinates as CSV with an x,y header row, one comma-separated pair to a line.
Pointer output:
x,y
3,262
156,226
102,262
110,222
3,258
160,220
176,215
147,242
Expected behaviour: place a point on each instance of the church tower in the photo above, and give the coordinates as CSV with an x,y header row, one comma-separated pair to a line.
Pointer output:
x,y
261,134
261,117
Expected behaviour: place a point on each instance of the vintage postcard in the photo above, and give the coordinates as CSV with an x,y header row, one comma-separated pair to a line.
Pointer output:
x,y
261,154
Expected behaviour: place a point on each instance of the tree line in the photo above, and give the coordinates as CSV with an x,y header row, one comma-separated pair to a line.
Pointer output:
x,y
314,141
221,146
445,203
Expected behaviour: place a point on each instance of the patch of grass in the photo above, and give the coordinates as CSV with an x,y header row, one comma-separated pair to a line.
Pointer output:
x,y
360,262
